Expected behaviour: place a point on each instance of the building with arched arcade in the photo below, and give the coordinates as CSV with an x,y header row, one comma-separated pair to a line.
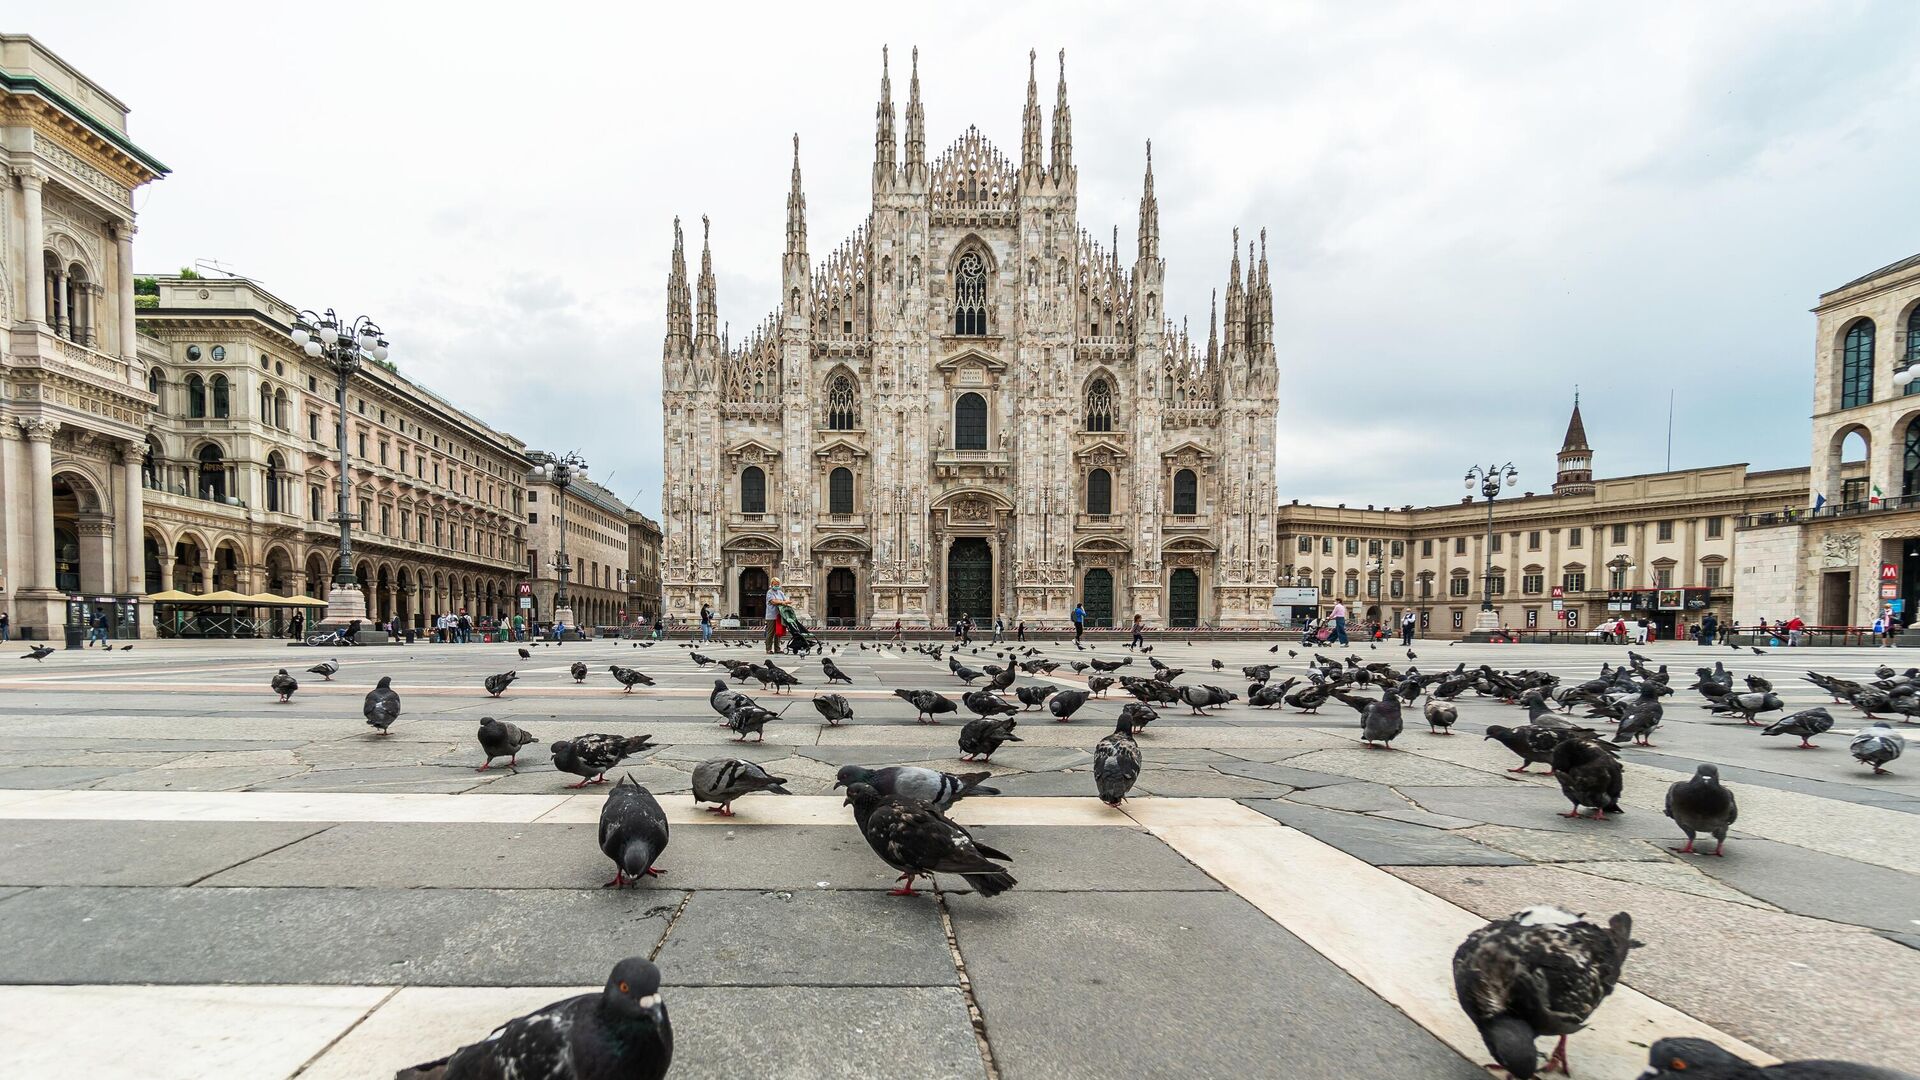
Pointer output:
x,y
971,405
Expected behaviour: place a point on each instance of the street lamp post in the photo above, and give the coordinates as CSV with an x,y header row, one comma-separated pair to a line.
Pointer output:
x,y
1491,479
344,345
560,468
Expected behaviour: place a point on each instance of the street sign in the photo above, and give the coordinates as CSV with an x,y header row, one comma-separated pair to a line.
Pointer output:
x,y
1889,591
1559,605
526,602
1293,597
1558,592
526,589
1889,572
1898,605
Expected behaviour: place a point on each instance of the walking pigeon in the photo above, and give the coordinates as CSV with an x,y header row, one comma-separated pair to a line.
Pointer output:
x,y
39,653
524,654
983,737
578,671
629,677
723,780
1537,972
283,684
746,718
633,832
622,1031
1702,805
966,674
1440,717
724,696
1116,763
833,672
1876,745
590,756
927,704
939,790
1806,723
1065,703
1698,1059
501,739
986,703
920,841
833,707
382,705
1033,696
325,669
497,684
1138,714
1589,775
1639,716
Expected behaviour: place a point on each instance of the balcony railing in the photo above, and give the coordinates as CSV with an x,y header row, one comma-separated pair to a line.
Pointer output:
x,y
1850,508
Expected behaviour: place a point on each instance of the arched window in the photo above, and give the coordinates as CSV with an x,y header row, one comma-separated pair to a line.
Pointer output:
x,y
266,404
1186,492
313,510
843,414
276,476
1913,346
150,467
1100,405
840,491
282,415
970,422
970,296
213,474
220,408
753,491
155,377
1100,492
196,398
1856,372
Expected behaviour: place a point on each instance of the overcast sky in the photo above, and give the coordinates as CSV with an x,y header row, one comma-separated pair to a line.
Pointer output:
x,y
1471,207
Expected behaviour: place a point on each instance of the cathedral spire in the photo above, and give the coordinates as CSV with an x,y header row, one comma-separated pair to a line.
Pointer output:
x,y
708,310
1149,215
1265,294
796,210
1030,126
1062,128
679,313
1213,325
916,126
1236,303
883,142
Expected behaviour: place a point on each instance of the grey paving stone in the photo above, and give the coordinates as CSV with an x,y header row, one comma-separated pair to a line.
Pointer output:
x,y
1382,842
450,778
817,1033
783,937
1164,961
1358,797
1174,783
12,890
1548,846
382,937
1040,758
1421,817
54,776
1281,774
1047,784
1911,941
214,778
135,852
1817,884
1081,858
1535,806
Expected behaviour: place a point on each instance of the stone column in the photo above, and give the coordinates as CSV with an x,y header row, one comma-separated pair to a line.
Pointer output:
x,y
133,520
62,303
123,241
12,544
33,244
39,434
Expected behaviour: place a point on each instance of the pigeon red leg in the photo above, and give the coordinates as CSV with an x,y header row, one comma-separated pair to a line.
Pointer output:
x,y
619,879
654,871
1573,813
1558,1061
1522,768
581,784
1688,850
906,889
483,768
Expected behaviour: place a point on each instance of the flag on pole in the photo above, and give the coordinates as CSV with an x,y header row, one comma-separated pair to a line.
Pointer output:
x,y
1818,502
1876,495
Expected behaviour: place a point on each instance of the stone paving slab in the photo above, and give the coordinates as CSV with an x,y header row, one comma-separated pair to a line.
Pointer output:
x,y
1126,976
135,852
784,938
214,778
1422,817
47,777
1358,797
1818,885
1537,806
1285,775
379,937
1382,842
1396,767
1543,846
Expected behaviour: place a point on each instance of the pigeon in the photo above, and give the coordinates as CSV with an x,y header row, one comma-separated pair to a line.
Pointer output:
x,y
833,672
126,648
578,671
1698,1059
629,677
633,832
1195,698
703,661
1033,696
1065,703
746,718
497,684
919,841
983,737
1702,805
1806,723
1276,648
1138,714
325,669
939,790
590,756
1537,972
723,780
1258,672
1217,665
1440,717
1876,745
773,675
927,704
382,706
1749,704
986,703
1589,775
1380,723
501,739
282,683
1534,744
966,674
1098,684
1116,763
524,654
622,1031
1638,717
833,708
723,697
39,653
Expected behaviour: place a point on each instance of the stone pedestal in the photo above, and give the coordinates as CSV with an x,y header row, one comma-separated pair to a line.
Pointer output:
x,y
1485,625
346,603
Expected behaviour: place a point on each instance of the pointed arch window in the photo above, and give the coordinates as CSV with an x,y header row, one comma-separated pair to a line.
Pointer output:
x,y
196,398
1100,405
843,410
840,491
1856,372
970,422
1100,492
1186,492
753,491
970,296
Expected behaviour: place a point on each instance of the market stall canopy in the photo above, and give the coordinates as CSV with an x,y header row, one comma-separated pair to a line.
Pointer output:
x,y
171,596
275,600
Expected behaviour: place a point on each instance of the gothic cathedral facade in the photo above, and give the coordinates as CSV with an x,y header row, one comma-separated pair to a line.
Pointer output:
x,y
972,407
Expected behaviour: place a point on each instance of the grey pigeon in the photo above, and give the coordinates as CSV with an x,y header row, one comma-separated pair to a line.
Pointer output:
x,y
1195,698
1065,703
919,841
1702,805
1138,714
1876,745
833,708
1806,723
621,1032
578,671
833,672
1033,696
1098,684
497,684
1589,775
939,790
1638,717
966,674
927,704
723,780
525,655
1537,972
983,737
1440,717
590,756
633,832
986,703
39,653
325,669
724,696
283,684
746,718
382,706
501,739
1698,1059
629,677
1116,763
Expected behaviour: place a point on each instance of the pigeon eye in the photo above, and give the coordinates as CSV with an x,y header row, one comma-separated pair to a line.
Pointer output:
x,y
623,988
1677,1065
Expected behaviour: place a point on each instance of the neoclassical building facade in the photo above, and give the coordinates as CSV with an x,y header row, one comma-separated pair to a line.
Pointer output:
x,y
971,406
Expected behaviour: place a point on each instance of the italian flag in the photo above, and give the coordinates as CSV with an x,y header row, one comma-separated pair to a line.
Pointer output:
x,y
1876,495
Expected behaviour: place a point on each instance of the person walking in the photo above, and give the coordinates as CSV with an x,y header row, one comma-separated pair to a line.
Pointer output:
x,y
899,635
1795,627
1339,623
999,628
966,629
1709,626
1021,629
1407,623
98,631
6,628
1079,622
706,623
1139,632
295,629
775,597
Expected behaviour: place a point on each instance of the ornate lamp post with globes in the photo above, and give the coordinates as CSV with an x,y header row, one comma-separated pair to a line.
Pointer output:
x,y
344,346
1491,479
560,468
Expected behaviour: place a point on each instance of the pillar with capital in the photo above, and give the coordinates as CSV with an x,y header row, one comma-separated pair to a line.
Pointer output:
x,y
127,343
33,243
133,523
39,435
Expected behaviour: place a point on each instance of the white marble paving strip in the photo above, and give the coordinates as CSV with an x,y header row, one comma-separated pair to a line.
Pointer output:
x,y
1398,940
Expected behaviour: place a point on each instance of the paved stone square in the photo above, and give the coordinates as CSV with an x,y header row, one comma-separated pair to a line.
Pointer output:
x,y
263,890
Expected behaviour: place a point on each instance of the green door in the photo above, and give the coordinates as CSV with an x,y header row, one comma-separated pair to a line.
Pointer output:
x,y
970,581
1183,598
1097,595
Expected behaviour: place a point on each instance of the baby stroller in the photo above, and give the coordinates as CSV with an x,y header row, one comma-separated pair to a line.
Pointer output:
x,y
796,638
1316,633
